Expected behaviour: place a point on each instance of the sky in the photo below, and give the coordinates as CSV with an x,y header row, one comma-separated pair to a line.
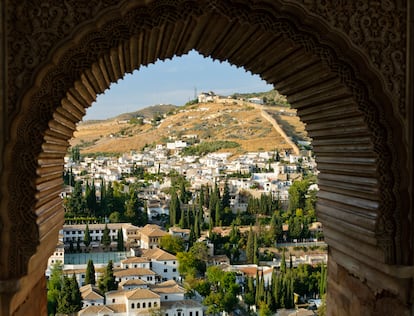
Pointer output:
x,y
174,81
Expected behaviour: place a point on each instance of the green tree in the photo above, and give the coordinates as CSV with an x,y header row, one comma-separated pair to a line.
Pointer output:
x,y
87,237
186,264
322,280
75,203
115,217
250,251
76,296
283,262
54,286
107,282
70,299
175,209
264,309
172,244
225,201
75,154
297,195
90,197
106,238
120,241
90,273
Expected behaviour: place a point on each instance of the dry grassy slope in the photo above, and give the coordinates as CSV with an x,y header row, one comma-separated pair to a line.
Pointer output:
x,y
210,121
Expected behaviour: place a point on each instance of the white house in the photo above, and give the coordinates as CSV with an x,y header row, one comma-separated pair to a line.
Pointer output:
x,y
163,263
90,296
169,291
138,301
182,308
135,262
144,274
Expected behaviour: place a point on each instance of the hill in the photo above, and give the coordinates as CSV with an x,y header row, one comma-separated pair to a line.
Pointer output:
x,y
253,127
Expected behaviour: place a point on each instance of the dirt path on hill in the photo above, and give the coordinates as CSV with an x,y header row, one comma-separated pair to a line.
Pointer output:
x,y
276,126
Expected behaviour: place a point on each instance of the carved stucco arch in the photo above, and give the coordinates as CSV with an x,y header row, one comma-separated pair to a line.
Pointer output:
x,y
287,43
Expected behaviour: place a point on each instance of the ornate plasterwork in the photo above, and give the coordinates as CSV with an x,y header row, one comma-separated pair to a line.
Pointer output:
x,y
36,30
376,27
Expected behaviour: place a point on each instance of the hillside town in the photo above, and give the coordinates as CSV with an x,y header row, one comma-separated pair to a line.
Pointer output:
x,y
137,218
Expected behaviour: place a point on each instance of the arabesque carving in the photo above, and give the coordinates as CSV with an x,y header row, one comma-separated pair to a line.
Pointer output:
x,y
378,29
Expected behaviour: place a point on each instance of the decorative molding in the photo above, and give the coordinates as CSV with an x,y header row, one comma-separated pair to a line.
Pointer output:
x,y
378,28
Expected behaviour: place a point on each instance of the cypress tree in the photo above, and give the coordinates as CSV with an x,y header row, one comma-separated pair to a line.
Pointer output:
x,y
103,202
196,227
217,216
225,201
87,236
75,295
250,246
283,263
106,238
120,240
90,273
64,301
54,285
70,299
322,280
107,282
255,255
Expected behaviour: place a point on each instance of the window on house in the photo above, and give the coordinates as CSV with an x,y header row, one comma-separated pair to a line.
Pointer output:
x,y
143,305
132,305
113,300
174,270
149,304
166,297
165,262
191,313
165,270
196,313
138,305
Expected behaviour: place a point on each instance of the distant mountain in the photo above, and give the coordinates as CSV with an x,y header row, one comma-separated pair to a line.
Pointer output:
x,y
251,126
148,112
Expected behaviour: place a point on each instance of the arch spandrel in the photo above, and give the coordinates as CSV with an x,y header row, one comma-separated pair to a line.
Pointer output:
x,y
80,49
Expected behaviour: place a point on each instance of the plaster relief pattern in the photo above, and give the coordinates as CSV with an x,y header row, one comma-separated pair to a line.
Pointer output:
x,y
378,29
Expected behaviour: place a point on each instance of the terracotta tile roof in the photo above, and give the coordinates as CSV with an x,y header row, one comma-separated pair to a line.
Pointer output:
x,y
118,308
167,287
139,294
89,292
181,304
115,293
158,254
134,260
133,282
95,310
73,271
133,271
152,231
